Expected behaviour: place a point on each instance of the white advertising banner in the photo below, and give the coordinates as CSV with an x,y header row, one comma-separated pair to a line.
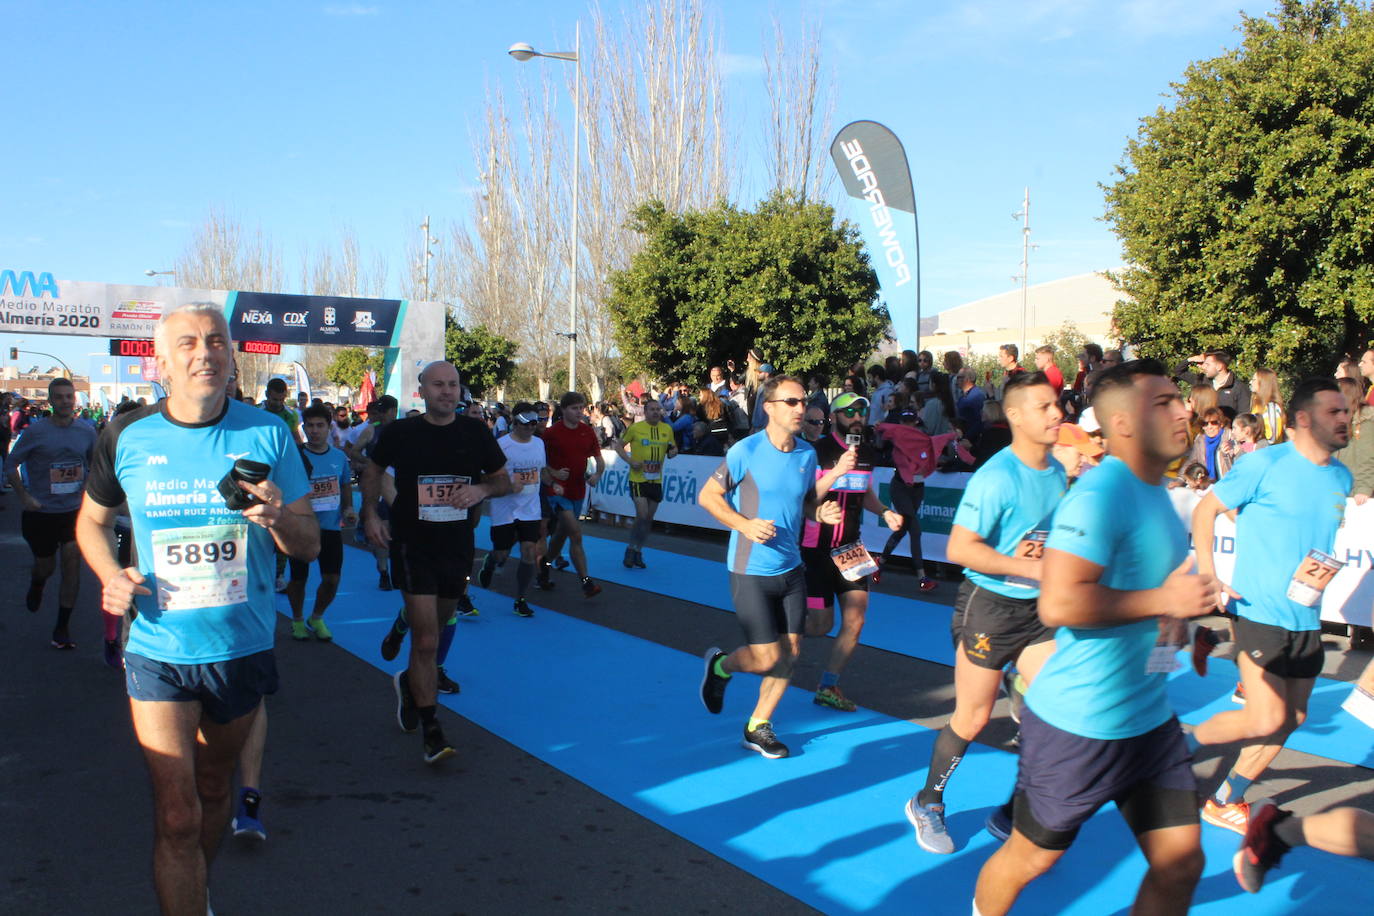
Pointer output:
x,y
38,304
1349,598
684,476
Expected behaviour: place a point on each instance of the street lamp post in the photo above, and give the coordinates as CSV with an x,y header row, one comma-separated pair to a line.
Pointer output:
x,y
159,273
522,52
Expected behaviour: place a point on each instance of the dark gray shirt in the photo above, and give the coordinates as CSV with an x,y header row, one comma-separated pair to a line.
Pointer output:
x,y
56,460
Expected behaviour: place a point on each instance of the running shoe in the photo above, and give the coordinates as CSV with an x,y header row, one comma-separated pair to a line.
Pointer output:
x,y
931,834
542,580
1204,642
831,697
522,608
465,607
247,825
485,572
317,626
928,585
384,582
445,684
114,653
560,562
1234,816
34,599
1016,697
62,640
391,643
1238,695
763,740
589,588
1260,850
639,560
628,561
998,823
298,630
712,684
436,745
407,716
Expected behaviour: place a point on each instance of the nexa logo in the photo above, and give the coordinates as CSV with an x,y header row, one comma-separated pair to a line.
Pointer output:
x,y
882,216
16,284
256,316
294,319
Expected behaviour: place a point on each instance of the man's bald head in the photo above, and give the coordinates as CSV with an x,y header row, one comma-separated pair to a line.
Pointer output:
x,y
445,369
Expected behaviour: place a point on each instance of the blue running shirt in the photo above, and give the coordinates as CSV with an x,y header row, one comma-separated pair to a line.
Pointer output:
x,y
211,570
762,481
1004,501
1095,685
329,474
54,461
1288,506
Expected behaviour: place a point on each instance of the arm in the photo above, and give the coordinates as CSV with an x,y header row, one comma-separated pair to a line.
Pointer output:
x,y
15,460
600,469
827,480
968,549
1204,531
875,505
346,496
1071,596
713,500
293,527
95,537
377,531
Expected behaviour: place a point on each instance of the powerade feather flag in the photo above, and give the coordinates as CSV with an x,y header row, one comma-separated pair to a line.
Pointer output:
x,y
874,171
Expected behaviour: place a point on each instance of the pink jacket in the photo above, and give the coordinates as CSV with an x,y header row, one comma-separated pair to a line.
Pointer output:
x,y
914,452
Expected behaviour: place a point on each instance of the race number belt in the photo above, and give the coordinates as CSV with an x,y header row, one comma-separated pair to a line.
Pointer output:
x,y
525,476
65,477
324,494
435,493
854,561
1030,547
201,567
1312,576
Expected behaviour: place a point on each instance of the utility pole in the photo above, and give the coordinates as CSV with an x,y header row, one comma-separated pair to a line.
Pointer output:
x,y
426,254
1024,215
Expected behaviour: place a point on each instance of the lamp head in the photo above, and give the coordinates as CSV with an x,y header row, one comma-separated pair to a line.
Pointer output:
x,y
522,51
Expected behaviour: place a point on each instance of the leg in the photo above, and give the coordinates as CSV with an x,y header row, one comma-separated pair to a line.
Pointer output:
x,y
324,595
71,576
1175,857
524,573
975,692
217,751
1255,758
570,527
250,758
1006,873
644,514
167,733
1341,831
1033,658
776,679
1263,715
422,613
900,493
853,611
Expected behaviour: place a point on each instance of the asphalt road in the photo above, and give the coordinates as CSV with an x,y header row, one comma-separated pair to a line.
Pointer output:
x,y
358,825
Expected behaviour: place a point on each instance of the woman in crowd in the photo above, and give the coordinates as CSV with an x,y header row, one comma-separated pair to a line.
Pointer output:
x,y
1213,448
1247,435
1267,403
1200,400
996,434
711,410
1358,454
914,455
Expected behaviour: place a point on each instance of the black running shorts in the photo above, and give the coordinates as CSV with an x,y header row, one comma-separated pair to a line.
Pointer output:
x,y
768,606
330,558
432,567
992,628
652,490
504,537
45,532
1295,654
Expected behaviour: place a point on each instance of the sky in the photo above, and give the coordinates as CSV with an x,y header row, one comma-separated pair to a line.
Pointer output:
x,y
129,122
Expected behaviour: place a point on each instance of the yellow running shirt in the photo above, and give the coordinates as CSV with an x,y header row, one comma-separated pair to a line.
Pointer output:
x,y
648,444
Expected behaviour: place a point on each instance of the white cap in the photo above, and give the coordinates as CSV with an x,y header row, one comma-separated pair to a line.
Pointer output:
x,y
1088,421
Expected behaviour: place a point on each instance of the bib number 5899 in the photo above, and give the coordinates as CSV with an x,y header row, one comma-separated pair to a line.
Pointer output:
x,y
209,552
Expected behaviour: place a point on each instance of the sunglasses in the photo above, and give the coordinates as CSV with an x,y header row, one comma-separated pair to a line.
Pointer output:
x,y
526,419
816,422
790,402
1213,424
852,412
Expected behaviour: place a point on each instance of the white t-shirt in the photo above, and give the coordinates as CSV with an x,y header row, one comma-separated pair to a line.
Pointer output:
x,y
524,460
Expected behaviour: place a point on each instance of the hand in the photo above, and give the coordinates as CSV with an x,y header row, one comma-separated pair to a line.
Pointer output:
x,y
559,474
268,509
1361,498
758,530
730,364
349,517
557,489
378,532
1028,568
672,453
117,594
829,513
1224,594
593,480
893,520
636,465
1188,594
846,462
31,504
1195,360
467,495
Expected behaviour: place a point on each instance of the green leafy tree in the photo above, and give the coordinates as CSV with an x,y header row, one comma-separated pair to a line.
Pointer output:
x,y
350,363
485,361
709,284
1246,207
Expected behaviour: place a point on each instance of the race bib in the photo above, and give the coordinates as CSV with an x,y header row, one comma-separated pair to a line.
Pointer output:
x,y
1312,576
1360,704
1173,635
853,561
324,494
201,567
66,477
1030,547
851,482
652,470
435,491
525,477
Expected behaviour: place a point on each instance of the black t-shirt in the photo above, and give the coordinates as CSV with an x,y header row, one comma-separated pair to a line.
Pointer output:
x,y
427,459
849,491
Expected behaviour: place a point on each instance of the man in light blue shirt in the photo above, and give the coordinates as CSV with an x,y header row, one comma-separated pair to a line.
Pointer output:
x,y
1097,726
1291,502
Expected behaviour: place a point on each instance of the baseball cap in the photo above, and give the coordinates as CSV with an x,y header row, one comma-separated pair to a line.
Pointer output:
x,y
1073,436
848,399
766,367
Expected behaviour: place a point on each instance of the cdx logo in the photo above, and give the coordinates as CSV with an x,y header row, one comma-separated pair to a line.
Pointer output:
x,y
294,319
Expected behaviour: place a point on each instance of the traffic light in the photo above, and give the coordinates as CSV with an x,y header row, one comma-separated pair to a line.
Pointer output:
x,y
14,353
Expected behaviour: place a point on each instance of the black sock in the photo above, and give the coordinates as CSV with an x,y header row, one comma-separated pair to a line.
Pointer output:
x,y
427,718
64,616
523,574
1287,830
251,799
949,750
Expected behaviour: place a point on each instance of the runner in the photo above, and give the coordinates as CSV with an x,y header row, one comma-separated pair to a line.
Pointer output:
x,y
1097,726
445,464
1291,501
998,536
770,477
570,443
834,555
515,518
199,658
1271,832
55,454
331,498
645,445
381,413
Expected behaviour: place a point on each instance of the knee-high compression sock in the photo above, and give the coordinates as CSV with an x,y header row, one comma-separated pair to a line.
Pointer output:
x,y
64,616
524,575
489,563
446,639
944,759
402,625
1232,789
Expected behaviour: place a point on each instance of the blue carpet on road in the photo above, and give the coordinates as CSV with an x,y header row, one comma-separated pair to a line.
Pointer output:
x,y
622,715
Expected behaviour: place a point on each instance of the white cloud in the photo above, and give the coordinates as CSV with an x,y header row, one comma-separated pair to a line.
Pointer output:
x,y
351,9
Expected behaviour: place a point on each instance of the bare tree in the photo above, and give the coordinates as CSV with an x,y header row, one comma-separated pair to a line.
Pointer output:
x,y
340,269
800,106
223,254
